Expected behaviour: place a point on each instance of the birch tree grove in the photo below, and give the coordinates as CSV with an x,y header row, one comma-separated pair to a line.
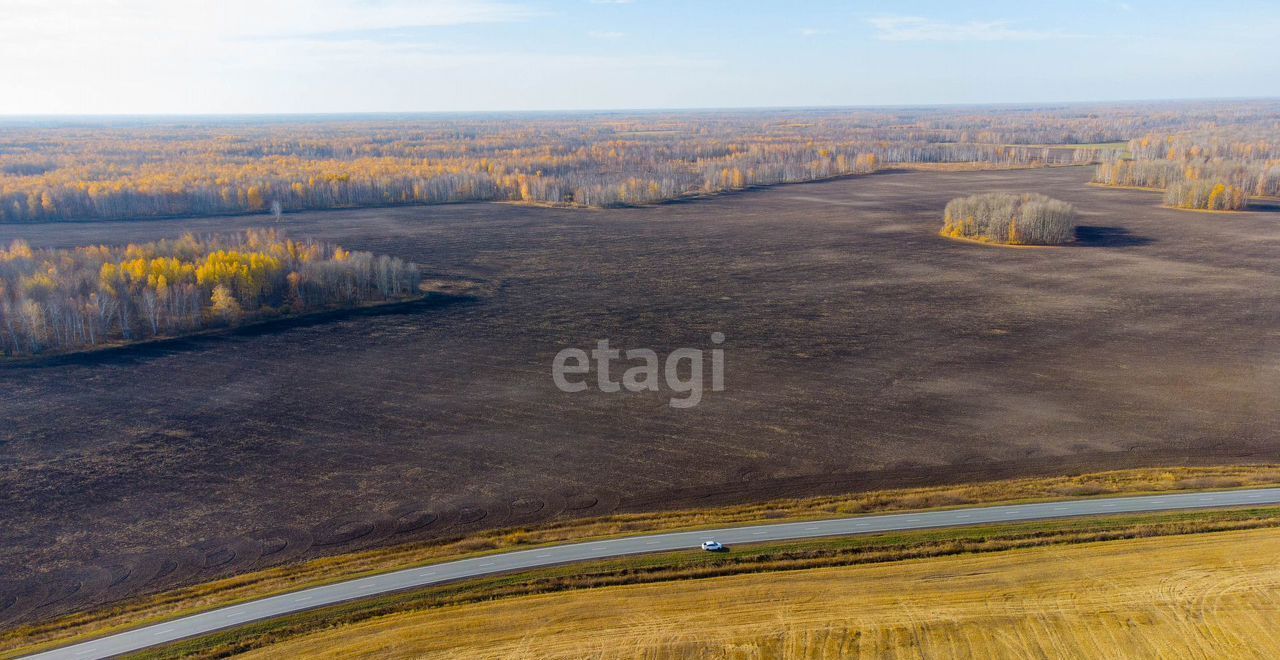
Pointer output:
x,y
1216,170
69,170
1027,219
66,300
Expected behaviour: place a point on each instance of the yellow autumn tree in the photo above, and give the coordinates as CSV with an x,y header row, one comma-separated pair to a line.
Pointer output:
x,y
1215,196
224,306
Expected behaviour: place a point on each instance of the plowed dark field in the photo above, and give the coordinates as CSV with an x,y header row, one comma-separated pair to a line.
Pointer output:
x,y
863,351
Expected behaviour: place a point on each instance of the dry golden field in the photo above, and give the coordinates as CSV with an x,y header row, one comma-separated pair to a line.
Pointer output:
x,y
1203,596
149,609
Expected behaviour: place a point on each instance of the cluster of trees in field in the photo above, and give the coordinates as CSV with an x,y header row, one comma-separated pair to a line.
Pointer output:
x,y
125,169
54,300
1027,219
1206,196
1216,169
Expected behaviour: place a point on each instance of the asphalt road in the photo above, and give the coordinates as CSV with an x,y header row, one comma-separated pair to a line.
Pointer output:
x,y
266,608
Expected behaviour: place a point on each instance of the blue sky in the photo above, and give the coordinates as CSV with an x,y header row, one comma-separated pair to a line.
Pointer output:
x,y
255,56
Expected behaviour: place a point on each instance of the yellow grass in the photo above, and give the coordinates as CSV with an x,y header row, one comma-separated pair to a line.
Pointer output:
x,y
1183,208
973,166
1207,596
1117,187
281,579
990,243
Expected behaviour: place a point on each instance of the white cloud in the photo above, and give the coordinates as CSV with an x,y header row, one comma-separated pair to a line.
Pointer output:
x,y
605,34
915,28
199,56
813,32
138,36
130,55
95,19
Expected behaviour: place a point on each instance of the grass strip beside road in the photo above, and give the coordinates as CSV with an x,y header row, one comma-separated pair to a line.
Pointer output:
x,y
291,577
696,565
1207,595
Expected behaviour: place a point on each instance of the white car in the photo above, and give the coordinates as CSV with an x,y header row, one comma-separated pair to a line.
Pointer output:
x,y
713,546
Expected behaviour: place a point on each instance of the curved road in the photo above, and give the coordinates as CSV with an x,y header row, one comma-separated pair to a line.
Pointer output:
x,y
266,608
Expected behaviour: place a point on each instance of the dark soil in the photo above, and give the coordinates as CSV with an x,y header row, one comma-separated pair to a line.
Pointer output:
x,y
863,351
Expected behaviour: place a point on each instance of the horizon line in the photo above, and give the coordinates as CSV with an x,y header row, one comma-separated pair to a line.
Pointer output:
x,y
761,108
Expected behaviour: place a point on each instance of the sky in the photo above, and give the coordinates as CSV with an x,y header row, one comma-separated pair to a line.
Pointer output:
x,y
318,56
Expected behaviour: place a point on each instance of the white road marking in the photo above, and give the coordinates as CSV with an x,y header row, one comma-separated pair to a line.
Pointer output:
x,y
299,600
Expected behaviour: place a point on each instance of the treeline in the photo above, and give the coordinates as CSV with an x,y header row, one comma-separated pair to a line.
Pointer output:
x,y
1207,169
1205,195
72,169
617,172
65,300
126,169
1027,219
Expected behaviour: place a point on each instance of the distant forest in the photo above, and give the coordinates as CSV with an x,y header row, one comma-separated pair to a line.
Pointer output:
x,y
86,169
65,300
1213,168
122,168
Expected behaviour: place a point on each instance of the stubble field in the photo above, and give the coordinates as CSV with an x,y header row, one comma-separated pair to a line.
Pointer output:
x,y
1208,596
863,351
